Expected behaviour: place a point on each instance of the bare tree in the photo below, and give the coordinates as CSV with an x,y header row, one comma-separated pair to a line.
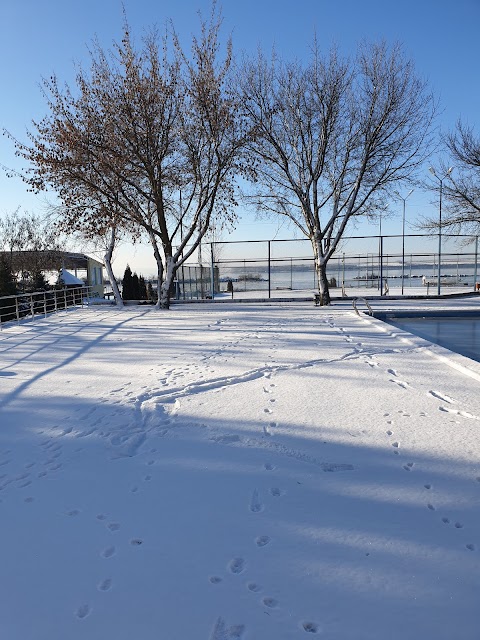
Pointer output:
x,y
461,192
145,126
332,136
30,244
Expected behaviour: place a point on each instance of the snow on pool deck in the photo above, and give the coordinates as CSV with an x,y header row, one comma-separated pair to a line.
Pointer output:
x,y
224,472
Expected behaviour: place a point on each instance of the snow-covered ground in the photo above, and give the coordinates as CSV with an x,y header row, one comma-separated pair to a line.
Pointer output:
x,y
224,472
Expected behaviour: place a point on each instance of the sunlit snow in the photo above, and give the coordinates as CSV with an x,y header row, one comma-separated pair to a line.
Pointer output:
x,y
223,472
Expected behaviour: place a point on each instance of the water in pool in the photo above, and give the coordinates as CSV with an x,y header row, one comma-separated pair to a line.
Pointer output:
x,y
458,334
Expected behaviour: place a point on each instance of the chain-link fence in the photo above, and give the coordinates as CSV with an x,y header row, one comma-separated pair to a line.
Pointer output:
x,y
404,265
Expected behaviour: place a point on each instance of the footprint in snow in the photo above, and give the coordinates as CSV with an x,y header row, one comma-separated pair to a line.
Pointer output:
x,y
464,414
408,466
83,611
108,552
254,587
401,383
441,396
270,467
276,492
271,603
255,505
310,627
105,585
262,541
236,565
222,632
215,579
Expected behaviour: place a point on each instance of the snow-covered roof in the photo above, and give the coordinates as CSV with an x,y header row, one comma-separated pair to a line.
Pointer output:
x,y
68,278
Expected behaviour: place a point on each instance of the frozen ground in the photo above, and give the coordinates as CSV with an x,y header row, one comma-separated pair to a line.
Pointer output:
x,y
236,472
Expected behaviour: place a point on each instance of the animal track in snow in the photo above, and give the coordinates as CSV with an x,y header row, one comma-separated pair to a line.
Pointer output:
x,y
392,372
105,585
310,627
271,603
400,383
430,506
458,525
395,445
440,396
267,410
427,486
113,526
470,547
255,505
262,541
408,466
389,433
222,632
236,565
215,579
108,552
464,414
270,467
73,512
446,520
136,542
254,587
276,492
83,611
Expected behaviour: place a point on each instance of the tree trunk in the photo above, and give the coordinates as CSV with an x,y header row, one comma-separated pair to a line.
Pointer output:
x,y
321,270
168,276
323,288
108,266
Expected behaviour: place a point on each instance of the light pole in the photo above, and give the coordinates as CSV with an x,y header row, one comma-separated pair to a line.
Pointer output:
x,y
403,231
432,171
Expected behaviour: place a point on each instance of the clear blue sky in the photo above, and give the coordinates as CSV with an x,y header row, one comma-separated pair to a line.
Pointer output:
x,y
38,38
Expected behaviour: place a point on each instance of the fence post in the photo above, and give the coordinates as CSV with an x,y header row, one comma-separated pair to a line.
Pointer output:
x,y
31,304
17,310
213,270
65,298
476,263
269,271
381,264
45,304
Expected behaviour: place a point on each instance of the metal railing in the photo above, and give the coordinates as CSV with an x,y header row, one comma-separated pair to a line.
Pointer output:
x,y
24,306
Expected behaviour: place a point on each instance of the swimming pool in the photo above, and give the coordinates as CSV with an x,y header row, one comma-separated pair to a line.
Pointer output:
x,y
459,333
